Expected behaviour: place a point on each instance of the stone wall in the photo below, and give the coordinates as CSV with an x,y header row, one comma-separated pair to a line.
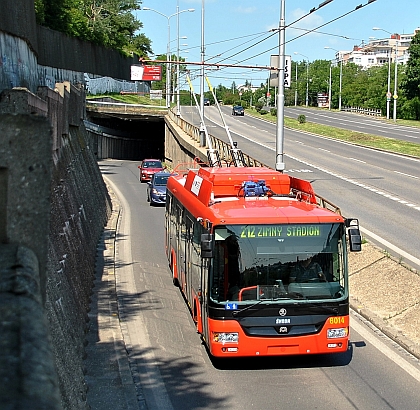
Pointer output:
x,y
54,205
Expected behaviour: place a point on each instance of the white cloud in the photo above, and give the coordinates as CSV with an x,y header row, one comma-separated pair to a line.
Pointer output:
x,y
245,10
311,21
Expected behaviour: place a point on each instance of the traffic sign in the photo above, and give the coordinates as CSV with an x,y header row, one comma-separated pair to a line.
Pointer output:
x,y
388,95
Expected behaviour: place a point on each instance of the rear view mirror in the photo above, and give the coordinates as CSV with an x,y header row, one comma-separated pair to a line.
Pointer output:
x,y
206,245
353,231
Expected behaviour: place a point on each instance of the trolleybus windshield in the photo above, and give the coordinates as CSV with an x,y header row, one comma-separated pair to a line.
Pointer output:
x,y
279,262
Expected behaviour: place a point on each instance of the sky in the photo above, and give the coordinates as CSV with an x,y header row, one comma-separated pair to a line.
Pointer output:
x,y
238,32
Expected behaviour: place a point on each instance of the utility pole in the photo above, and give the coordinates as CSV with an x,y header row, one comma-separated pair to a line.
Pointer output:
x,y
280,96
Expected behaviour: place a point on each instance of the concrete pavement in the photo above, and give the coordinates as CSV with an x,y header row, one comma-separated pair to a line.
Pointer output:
x,y
382,290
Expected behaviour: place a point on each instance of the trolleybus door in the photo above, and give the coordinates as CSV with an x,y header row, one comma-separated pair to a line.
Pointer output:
x,y
188,259
205,263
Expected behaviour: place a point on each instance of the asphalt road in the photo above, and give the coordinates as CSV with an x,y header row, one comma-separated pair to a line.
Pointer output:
x,y
349,121
378,188
174,369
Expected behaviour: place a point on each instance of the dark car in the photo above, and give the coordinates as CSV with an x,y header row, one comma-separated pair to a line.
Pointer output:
x,y
148,167
206,101
156,188
238,110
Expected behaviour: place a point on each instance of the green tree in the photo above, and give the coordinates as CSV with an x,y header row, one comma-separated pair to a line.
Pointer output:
x,y
410,85
110,23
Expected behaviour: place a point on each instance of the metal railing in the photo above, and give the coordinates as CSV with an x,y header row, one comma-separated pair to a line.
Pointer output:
x,y
224,149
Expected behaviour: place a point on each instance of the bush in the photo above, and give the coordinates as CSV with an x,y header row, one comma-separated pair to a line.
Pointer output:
x,y
273,112
263,112
301,119
258,106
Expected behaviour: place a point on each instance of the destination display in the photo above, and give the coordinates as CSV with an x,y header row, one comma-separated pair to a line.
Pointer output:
x,y
280,231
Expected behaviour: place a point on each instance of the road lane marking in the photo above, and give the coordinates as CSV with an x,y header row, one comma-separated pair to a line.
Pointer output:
x,y
357,160
390,246
407,175
343,178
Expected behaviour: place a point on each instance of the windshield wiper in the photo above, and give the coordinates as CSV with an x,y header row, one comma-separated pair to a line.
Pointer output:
x,y
325,308
235,313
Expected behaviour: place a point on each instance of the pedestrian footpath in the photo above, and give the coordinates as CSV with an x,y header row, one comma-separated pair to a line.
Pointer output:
x,y
108,372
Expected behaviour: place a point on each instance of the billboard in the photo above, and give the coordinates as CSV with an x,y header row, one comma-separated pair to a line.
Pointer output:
x,y
146,72
323,100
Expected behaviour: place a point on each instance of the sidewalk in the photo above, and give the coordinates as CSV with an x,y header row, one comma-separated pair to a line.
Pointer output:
x,y
108,373
381,290
387,294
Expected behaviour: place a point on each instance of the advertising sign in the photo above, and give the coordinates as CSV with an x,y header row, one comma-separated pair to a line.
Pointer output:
x,y
274,62
146,72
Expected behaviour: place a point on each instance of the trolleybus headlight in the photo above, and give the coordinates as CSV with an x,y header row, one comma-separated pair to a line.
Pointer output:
x,y
336,333
225,337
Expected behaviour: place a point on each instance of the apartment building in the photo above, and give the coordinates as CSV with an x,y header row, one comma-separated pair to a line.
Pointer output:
x,y
379,51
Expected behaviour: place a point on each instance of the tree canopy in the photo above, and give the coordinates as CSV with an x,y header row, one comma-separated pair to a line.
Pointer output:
x,y
110,23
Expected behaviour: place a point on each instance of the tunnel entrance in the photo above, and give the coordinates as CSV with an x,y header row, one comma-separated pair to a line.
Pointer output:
x,y
127,136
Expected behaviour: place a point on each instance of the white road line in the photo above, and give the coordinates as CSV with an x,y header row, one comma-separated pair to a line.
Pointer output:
x,y
383,348
371,234
390,246
407,175
357,160
349,180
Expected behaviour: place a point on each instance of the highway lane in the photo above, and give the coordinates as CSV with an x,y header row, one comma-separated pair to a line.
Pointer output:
x,y
354,122
378,188
175,371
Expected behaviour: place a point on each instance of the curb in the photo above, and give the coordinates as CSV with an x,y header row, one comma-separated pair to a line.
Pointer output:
x,y
385,328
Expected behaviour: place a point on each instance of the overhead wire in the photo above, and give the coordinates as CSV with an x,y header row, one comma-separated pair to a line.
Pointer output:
x,y
303,34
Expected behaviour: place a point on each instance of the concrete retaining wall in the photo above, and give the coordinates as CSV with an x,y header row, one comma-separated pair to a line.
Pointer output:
x,y
32,55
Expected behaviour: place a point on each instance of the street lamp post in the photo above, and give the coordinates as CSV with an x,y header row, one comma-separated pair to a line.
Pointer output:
x,y
329,88
296,94
168,56
307,77
388,99
341,75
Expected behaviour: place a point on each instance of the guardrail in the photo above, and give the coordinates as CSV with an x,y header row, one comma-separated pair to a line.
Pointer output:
x,y
224,149
122,107
364,111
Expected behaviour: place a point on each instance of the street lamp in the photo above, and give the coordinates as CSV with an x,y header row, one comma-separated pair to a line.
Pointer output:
x,y
307,77
168,56
388,94
341,74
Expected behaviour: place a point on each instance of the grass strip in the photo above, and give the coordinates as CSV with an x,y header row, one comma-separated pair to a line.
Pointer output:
x,y
367,140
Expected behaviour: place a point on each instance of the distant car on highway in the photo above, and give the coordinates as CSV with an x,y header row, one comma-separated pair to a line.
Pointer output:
x,y
148,167
156,188
238,110
206,101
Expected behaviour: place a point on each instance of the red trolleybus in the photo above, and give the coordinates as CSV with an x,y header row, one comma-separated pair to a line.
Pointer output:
x,y
261,261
